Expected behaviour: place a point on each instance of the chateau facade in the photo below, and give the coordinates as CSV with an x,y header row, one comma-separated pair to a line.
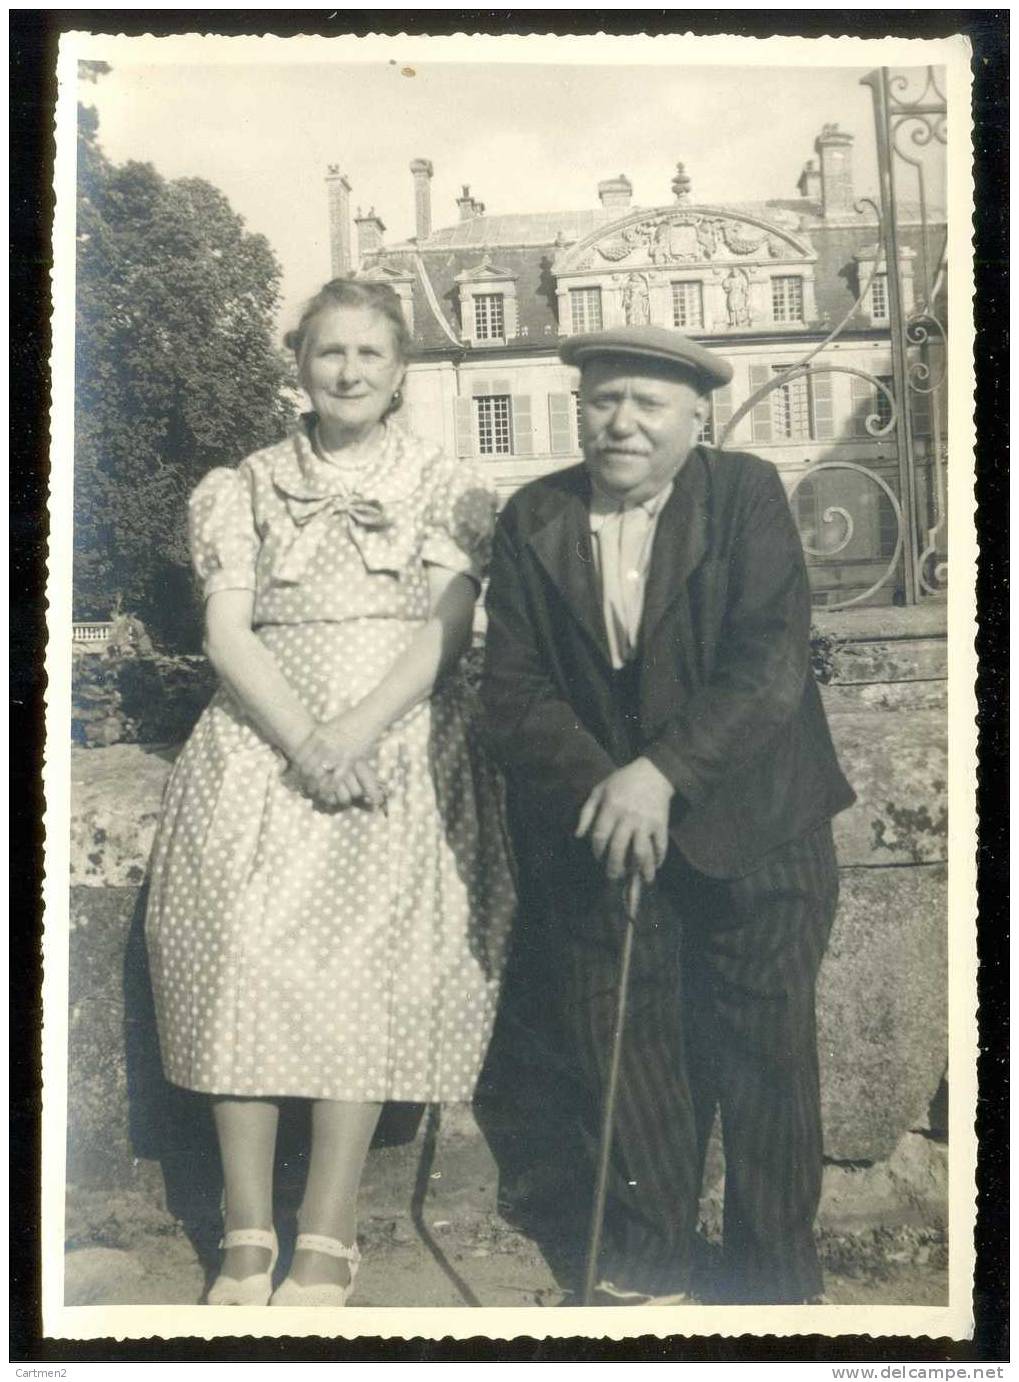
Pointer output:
x,y
489,297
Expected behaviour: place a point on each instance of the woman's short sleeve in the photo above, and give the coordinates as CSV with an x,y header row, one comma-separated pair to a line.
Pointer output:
x,y
459,520
221,524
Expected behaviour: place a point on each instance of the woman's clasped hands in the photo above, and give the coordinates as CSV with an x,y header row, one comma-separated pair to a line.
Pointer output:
x,y
333,765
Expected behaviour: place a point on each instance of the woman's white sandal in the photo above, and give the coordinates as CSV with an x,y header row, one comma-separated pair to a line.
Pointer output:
x,y
291,1292
247,1290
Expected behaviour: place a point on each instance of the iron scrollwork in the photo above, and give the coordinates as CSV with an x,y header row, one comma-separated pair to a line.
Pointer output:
x,y
918,339
836,512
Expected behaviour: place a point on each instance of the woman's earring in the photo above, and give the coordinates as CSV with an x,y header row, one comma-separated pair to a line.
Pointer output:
x,y
396,401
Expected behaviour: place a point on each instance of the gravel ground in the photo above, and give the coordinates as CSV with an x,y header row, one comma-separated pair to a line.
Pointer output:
x,y
431,1236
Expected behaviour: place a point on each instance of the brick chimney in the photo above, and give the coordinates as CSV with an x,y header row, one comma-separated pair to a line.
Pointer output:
x,y
422,171
835,150
809,185
468,206
338,193
615,192
369,233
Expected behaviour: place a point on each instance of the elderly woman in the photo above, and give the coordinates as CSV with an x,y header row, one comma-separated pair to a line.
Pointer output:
x,y
330,897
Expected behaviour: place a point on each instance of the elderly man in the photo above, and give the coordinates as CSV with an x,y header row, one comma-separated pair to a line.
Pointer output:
x,y
648,693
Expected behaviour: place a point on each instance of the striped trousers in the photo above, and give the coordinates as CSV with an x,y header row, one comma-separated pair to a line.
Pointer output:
x,y
720,1016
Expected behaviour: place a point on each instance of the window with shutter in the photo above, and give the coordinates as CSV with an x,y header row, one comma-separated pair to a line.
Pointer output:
x,y
760,414
522,431
721,408
790,409
560,428
822,406
494,426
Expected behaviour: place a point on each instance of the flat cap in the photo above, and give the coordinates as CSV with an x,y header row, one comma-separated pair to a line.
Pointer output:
x,y
650,343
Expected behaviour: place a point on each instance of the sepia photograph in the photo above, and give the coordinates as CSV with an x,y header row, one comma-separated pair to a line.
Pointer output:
x,y
500,875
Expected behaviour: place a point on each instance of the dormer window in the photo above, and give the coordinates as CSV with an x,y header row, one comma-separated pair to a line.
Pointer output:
x,y
489,317
488,304
879,298
875,302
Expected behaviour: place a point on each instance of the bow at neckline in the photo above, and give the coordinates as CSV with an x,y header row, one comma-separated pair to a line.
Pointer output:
x,y
317,493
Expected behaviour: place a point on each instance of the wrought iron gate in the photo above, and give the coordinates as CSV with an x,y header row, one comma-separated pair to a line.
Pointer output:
x,y
914,492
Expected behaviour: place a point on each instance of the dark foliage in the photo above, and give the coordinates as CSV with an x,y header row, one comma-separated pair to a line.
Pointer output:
x,y
176,371
130,694
823,655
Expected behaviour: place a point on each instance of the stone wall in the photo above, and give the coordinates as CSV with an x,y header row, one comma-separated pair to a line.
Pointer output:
x,y
882,1000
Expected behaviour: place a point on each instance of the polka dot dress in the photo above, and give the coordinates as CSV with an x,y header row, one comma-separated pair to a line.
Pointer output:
x,y
333,954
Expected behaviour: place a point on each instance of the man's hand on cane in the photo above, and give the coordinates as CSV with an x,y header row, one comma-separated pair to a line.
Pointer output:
x,y
627,819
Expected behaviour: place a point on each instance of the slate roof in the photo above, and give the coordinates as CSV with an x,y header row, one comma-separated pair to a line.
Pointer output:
x,y
525,244
525,228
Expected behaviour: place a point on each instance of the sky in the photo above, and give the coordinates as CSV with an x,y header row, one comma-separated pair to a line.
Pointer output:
x,y
526,137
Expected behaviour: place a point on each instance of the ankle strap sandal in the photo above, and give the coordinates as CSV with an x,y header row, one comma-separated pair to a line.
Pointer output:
x,y
292,1293
248,1290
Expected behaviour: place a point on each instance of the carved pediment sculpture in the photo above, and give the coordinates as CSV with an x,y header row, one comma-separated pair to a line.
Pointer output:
x,y
688,236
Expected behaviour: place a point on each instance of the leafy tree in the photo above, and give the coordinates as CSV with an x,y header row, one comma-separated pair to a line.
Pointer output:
x,y
176,371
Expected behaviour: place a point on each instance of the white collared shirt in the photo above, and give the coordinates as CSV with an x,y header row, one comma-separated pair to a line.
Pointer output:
x,y
621,541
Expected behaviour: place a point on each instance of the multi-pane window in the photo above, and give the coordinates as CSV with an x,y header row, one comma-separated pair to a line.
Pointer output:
x,y
489,318
787,298
495,431
578,435
688,304
790,409
879,298
869,402
882,407
585,309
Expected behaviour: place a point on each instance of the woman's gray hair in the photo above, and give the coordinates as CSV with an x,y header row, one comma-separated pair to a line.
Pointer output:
x,y
351,292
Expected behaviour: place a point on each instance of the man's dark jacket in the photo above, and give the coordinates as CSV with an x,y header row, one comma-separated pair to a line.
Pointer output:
x,y
725,704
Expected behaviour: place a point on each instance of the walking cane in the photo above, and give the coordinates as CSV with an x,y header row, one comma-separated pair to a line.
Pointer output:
x,y
632,904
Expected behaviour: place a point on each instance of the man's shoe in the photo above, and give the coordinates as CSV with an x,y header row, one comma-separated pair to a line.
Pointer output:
x,y
608,1293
